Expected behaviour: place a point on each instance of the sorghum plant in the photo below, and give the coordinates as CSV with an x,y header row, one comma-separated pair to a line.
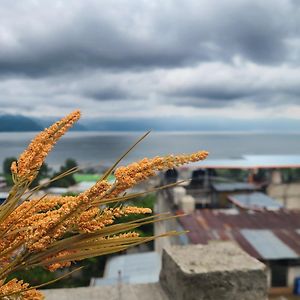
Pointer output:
x,y
52,231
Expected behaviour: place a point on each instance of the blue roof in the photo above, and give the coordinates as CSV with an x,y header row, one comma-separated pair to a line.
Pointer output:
x,y
268,245
131,268
255,200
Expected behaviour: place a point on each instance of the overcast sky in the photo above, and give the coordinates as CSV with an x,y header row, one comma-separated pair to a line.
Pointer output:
x,y
135,58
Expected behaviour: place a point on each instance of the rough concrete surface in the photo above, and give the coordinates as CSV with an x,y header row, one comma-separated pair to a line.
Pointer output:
x,y
216,271
124,292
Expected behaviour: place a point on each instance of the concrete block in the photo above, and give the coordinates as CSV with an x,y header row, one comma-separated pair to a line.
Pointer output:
x,y
218,271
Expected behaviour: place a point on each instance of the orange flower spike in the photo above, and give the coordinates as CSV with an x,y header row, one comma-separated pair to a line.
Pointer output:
x,y
125,235
33,157
16,286
92,220
134,173
97,190
127,210
54,266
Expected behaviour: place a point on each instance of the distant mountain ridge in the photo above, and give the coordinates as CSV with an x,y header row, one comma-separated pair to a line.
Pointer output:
x,y
193,124
20,123
9,123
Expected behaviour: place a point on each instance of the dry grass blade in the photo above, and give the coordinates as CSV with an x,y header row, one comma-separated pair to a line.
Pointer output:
x,y
69,243
12,200
62,175
111,247
81,256
111,169
135,195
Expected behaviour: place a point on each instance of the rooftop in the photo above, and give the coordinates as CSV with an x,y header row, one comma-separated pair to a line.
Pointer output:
x,y
259,233
233,186
250,162
254,201
131,268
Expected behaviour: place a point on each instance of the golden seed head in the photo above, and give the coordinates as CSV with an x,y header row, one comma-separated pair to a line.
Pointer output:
x,y
17,286
33,157
136,172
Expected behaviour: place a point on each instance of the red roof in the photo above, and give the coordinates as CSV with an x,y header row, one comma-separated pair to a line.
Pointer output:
x,y
229,224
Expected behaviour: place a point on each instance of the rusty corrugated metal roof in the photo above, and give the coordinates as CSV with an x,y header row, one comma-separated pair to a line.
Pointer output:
x,y
230,224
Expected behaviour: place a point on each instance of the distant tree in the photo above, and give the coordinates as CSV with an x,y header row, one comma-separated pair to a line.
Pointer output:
x,y
70,163
68,180
43,173
7,163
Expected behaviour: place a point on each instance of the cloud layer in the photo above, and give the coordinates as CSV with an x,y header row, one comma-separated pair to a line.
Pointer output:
x,y
151,58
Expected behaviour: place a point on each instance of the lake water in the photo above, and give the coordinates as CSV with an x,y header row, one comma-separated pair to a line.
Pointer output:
x,y
104,147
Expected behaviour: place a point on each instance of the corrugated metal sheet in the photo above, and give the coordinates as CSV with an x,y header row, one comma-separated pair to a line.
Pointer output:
x,y
134,268
220,224
233,186
255,200
268,245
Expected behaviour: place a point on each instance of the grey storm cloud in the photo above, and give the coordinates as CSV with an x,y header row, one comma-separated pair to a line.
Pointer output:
x,y
220,85
217,93
108,93
135,34
151,55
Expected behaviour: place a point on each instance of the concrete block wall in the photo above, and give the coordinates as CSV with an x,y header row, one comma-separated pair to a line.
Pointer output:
x,y
216,271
